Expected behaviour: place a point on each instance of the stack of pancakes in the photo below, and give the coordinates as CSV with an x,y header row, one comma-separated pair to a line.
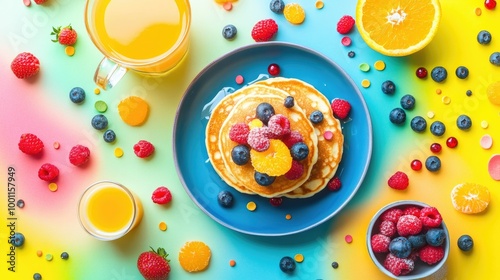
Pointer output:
x,y
324,153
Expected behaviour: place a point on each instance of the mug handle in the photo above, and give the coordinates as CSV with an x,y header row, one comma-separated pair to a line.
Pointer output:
x,y
108,73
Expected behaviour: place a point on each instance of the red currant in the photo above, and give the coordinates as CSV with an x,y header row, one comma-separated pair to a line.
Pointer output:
x,y
490,4
276,201
273,69
451,142
416,165
421,72
435,148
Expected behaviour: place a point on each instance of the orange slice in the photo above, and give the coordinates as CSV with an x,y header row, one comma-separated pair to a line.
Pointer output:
x,y
194,256
470,198
397,27
133,110
274,161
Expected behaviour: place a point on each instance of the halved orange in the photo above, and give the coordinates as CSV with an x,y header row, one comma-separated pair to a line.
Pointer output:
x,y
470,198
397,27
194,256
275,161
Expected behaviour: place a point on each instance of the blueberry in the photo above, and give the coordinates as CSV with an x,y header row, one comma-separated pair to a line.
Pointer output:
x,y
433,163
263,179
109,136
407,102
316,117
438,128
64,255
37,276
20,203
464,122
264,112
397,116
289,102
351,54
17,239
462,72
400,247
229,31
439,74
277,6
417,241
484,37
287,264
299,151
468,92
99,122
418,124
465,242
435,236
77,95
388,87
225,199
495,58
240,154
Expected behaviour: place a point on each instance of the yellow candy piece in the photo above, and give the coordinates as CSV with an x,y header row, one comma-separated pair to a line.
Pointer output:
x,y
251,206
133,110
69,50
493,93
255,123
294,13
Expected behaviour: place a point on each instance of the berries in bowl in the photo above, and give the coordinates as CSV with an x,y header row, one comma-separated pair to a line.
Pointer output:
x,y
408,239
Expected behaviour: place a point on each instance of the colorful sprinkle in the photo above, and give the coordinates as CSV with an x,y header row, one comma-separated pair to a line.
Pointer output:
x,y
239,79
294,13
348,238
484,124
288,216
486,142
53,187
228,6
439,91
430,114
365,83
319,5
478,11
446,100
162,226
39,253
379,65
452,142
56,145
118,152
299,258
27,3
101,106
69,50
232,263
364,67
346,41
97,91
328,135
251,206
49,257
494,167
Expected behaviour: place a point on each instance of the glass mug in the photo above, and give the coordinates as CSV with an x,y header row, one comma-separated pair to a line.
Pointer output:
x,y
108,210
150,37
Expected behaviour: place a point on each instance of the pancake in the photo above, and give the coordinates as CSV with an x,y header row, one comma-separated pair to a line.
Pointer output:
x,y
244,111
329,151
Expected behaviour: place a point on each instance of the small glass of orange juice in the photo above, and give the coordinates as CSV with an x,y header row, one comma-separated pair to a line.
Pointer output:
x,y
109,210
150,37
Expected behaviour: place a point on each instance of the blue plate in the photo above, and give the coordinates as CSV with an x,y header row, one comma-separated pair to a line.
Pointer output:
x,y
218,79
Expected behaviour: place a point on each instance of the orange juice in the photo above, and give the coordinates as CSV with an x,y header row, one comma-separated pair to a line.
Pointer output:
x,y
149,36
109,210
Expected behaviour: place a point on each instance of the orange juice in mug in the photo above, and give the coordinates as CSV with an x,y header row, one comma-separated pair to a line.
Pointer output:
x,y
147,36
109,210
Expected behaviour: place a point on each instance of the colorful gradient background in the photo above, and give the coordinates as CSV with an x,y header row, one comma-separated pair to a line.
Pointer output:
x,y
41,106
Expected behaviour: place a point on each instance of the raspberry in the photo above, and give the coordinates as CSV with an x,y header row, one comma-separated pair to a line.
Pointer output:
x,y
279,126
30,144
380,243
341,108
48,172
387,228
161,195
295,171
431,254
412,210
345,24
392,215
264,30
398,266
398,181
79,155
430,217
258,140
334,184
292,138
408,225
239,133
143,149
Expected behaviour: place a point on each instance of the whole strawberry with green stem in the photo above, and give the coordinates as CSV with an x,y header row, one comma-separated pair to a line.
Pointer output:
x,y
154,265
64,35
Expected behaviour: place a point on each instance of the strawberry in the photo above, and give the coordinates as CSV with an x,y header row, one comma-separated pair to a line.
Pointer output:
x,y
341,108
64,35
161,195
264,30
25,65
48,172
153,265
398,181
345,24
30,144
40,2
143,149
